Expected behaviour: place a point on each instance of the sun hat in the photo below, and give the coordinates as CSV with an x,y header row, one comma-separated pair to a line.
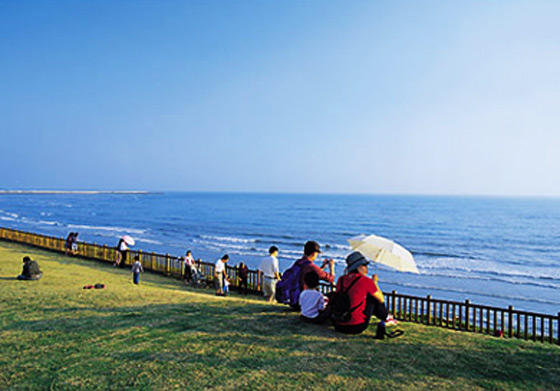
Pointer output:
x,y
354,260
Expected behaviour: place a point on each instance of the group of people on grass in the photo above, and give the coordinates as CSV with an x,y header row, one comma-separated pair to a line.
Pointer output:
x,y
361,292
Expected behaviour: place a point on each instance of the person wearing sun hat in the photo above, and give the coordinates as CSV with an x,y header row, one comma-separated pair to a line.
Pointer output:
x,y
366,299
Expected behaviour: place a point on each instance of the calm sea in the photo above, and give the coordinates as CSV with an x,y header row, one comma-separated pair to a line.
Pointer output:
x,y
495,251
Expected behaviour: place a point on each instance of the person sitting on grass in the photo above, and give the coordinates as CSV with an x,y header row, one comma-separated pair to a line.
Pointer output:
x,y
136,269
366,299
313,304
30,270
311,252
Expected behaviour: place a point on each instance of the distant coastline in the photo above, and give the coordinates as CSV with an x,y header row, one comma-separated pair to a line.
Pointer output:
x,y
73,192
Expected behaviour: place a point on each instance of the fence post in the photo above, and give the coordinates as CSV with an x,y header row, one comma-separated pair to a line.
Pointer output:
x,y
140,255
557,330
467,315
429,305
167,264
510,321
393,303
152,260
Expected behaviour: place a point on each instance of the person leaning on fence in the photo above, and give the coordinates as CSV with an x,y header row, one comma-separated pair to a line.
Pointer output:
x,y
220,274
30,271
122,251
269,274
366,299
136,269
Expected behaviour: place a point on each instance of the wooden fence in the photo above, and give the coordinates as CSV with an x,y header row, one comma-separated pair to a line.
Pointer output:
x,y
463,316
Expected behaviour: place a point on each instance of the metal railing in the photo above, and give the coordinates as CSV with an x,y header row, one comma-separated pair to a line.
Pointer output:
x,y
463,316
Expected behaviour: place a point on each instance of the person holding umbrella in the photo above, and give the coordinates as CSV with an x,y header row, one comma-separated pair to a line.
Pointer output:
x,y
365,297
122,250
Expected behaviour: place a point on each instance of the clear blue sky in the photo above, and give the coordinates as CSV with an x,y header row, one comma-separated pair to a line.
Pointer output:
x,y
413,97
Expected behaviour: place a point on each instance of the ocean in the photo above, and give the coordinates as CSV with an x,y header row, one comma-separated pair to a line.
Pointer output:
x,y
493,251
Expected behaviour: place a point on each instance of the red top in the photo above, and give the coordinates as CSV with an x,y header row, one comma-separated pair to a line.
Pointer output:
x,y
323,275
358,294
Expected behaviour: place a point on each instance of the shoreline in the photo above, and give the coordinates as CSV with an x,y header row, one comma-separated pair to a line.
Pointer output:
x,y
74,192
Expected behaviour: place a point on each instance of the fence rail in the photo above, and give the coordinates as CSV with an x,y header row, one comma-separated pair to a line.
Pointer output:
x,y
463,316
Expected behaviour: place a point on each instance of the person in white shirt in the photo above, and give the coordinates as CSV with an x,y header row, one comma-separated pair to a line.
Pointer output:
x,y
269,274
189,263
220,275
122,250
313,303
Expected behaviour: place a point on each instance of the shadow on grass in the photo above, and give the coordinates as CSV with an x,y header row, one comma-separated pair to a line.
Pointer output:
x,y
241,337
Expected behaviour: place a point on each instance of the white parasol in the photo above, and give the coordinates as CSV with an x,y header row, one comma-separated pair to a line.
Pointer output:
x,y
384,251
128,240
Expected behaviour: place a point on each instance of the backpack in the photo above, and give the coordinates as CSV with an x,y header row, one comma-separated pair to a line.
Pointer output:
x,y
340,304
288,288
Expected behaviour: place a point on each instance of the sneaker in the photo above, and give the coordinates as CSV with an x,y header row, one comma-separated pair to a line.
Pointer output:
x,y
390,321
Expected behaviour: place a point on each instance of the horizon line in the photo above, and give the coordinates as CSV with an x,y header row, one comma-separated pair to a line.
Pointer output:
x,y
93,192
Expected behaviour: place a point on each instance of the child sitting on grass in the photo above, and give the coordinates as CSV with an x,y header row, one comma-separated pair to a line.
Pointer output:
x,y
136,269
313,304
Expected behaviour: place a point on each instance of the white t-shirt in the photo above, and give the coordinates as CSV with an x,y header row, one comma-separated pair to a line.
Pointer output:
x,y
311,302
189,261
123,246
220,266
269,266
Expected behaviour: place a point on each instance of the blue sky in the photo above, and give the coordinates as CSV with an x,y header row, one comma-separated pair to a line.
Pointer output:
x,y
429,97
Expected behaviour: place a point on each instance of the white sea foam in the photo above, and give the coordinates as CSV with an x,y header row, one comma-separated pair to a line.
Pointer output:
x,y
108,229
47,222
227,239
149,241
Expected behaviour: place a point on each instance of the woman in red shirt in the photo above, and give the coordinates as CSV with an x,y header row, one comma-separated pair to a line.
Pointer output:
x,y
366,299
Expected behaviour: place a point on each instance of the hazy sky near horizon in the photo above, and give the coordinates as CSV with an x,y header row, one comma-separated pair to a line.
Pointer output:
x,y
428,97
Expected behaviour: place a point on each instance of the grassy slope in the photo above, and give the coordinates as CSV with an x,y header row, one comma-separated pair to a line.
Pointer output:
x,y
159,335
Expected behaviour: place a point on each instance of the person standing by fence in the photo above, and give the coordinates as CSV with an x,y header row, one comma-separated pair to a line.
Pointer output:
x,y
188,265
122,250
74,243
68,244
269,274
243,275
220,274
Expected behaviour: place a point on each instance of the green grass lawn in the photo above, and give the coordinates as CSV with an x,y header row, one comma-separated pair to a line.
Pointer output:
x,y
162,336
